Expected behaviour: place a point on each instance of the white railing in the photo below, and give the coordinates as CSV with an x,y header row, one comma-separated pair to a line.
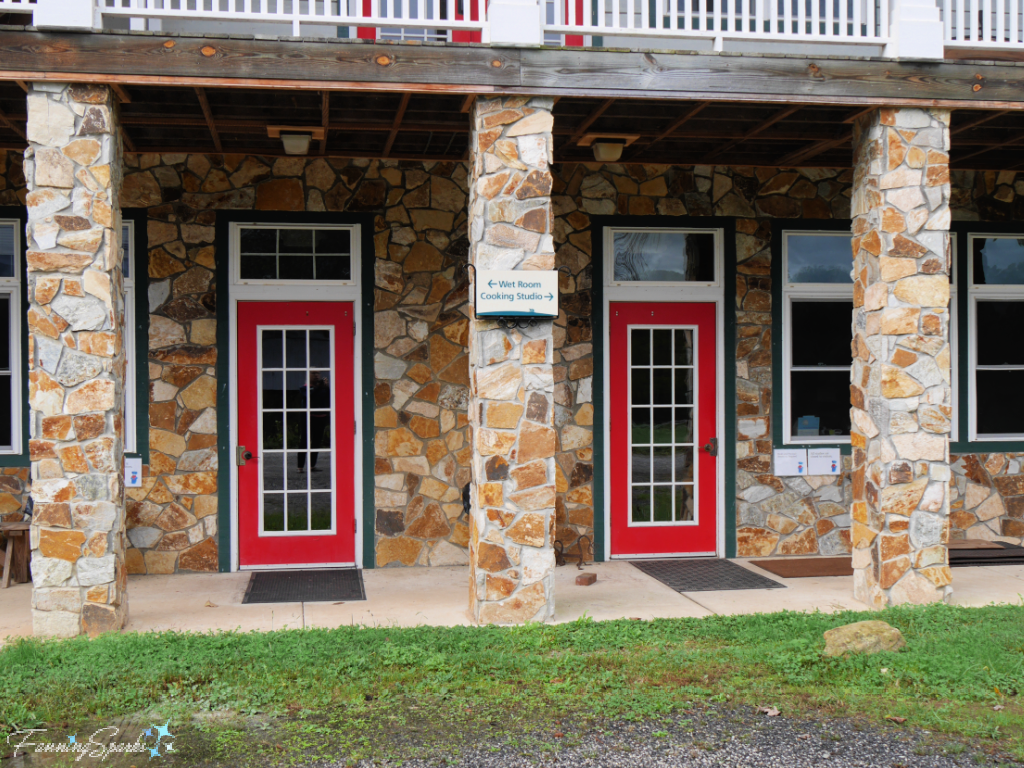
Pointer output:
x,y
17,6
400,19
907,28
834,21
983,23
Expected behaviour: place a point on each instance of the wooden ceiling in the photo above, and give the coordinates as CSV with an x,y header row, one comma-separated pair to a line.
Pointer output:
x,y
435,126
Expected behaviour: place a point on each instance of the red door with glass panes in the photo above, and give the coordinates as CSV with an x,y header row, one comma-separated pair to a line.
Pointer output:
x,y
662,432
296,445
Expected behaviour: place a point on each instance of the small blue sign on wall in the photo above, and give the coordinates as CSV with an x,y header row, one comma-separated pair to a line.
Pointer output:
x,y
516,293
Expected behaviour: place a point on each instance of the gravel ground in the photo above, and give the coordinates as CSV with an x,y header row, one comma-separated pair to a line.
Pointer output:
x,y
717,737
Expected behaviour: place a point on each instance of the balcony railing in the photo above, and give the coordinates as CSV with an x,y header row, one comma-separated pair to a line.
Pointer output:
x,y
921,29
834,21
403,19
983,23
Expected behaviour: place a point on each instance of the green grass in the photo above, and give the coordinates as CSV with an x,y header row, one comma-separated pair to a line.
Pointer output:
x,y
352,683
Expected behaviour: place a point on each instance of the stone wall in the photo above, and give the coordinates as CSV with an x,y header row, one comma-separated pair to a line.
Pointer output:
x,y
776,516
413,203
420,294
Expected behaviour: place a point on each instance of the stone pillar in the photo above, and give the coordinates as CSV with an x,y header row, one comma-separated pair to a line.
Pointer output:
x,y
900,387
511,406
77,360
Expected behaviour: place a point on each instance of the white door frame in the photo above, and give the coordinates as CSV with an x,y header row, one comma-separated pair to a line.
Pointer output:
x,y
711,293
295,292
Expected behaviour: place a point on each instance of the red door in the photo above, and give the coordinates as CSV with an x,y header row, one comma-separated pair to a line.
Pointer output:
x,y
296,494
663,417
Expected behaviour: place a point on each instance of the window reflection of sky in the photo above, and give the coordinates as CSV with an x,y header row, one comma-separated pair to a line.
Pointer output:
x,y
819,258
999,261
659,257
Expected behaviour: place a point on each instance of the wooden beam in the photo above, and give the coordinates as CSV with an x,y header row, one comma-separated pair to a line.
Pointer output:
x,y
396,124
11,125
581,128
355,65
325,119
122,93
23,85
261,59
208,114
674,126
596,73
764,125
467,103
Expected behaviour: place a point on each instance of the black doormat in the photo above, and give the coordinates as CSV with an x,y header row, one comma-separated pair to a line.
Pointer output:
x,y
704,575
1006,554
329,585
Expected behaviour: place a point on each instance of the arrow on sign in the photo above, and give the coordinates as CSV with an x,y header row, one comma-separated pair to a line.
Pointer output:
x,y
551,296
490,284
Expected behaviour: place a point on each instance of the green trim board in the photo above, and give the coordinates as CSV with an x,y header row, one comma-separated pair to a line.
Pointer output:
x,y
960,230
779,226
599,329
21,459
364,327
140,243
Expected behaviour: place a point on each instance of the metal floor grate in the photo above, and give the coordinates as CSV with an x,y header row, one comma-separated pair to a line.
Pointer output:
x,y
704,575
321,586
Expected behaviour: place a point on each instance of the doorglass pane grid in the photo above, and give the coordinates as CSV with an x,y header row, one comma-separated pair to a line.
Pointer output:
x,y
662,376
297,466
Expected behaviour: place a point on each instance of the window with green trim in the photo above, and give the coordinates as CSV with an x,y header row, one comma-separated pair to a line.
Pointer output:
x,y
995,322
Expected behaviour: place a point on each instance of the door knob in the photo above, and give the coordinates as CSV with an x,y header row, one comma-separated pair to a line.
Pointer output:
x,y
712,447
242,455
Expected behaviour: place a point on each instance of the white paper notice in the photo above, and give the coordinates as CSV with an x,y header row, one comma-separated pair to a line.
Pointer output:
x,y
132,472
790,461
823,461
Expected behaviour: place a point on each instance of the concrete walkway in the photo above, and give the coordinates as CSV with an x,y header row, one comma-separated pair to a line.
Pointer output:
x,y
437,596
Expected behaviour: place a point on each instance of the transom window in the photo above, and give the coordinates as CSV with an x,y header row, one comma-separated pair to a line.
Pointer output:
x,y
665,256
10,335
817,319
663,422
298,254
996,356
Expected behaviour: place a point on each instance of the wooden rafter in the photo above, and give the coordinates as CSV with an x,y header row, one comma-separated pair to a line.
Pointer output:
x,y
122,93
467,103
674,126
979,121
325,119
23,85
208,114
396,124
764,125
126,140
793,159
581,128
850,118
11,124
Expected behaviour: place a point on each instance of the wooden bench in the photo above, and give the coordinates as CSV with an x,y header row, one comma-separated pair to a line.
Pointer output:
x,y
17,555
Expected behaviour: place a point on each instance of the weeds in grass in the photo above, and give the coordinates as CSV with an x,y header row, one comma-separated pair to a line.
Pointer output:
x,y
958,663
